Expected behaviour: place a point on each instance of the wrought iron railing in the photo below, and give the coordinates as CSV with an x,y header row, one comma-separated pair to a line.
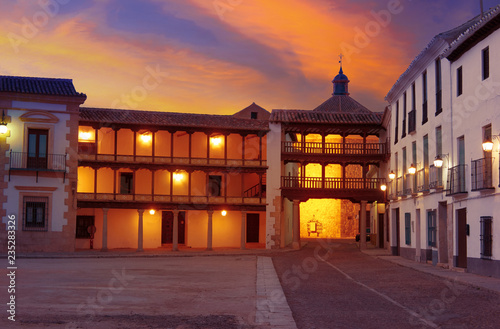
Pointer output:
x,y
399,186
409,184
456,180
481,174
422,180
38,162
435,177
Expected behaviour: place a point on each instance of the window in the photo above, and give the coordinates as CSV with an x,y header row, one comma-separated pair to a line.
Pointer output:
x,y
253,115
82,225
459,81
403,134
412,116
35,213
486,237
486,63
414,162
37,148
396,132
404,170
126,183
424,97
431,228
439,151
214,185
408,228
481,169
425,173
439,95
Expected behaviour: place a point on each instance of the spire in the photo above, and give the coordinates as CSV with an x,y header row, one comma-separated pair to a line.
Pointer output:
x,y
340,82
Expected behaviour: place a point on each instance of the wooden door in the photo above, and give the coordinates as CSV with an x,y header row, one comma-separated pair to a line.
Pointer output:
x,y
37,148
167,227
253,227
462,238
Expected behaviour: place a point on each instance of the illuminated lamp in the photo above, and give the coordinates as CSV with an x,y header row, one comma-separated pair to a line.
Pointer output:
x,y
488,145
152,212
84,135
412,170
383,187
146,137
216,140
178,176
392,175
438,162
223,213
3,124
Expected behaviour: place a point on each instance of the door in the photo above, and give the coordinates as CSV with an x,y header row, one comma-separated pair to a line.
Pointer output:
x,y
167,227
462,238
253,227
37,148
398,234
381,230
418,246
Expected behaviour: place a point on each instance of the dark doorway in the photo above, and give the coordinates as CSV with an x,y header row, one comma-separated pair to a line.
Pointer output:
x,y
462,238
37,148
381,230
398,234
167,227
253,227
214,185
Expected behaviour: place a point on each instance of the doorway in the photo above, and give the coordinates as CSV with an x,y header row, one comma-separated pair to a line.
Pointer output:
x,y
253,227
381,230
167,227
462,238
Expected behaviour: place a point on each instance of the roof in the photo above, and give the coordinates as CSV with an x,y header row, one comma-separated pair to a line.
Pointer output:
x,y
170,119
263,114
342,103
303,116
445,37
38,86
486,25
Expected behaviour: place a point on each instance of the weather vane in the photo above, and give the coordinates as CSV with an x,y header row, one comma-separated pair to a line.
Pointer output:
x,y
340,62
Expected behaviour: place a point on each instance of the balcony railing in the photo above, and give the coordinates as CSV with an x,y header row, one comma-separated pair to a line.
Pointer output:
x,y
399,186
117,197
456,180
331,183
40,162
334,148
409,184
481,173
422,180
435,177
412,121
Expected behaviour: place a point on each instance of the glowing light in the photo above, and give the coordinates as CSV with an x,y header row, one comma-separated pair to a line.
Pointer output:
x,y
392,175
223,213
178,176
488,145
438,162
146,137
412,170
216,141
383,187
152,212
3,129
84,135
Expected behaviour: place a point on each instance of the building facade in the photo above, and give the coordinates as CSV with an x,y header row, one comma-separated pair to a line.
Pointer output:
x,y
444,188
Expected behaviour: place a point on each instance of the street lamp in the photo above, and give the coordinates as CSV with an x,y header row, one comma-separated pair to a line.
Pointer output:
x,y
438,161
392,175
3,124
412,170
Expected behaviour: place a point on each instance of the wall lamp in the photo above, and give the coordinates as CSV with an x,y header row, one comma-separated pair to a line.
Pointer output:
x,y
488,143
412,170
392,175
3,124
383,187
438,161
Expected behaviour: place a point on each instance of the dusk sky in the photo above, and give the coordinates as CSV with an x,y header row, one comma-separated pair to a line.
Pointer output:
x,y
219,56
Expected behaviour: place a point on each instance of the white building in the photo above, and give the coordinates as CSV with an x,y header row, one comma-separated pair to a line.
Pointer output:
x,y
443,108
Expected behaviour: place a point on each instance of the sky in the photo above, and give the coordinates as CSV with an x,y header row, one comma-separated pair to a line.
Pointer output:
x,y
219,56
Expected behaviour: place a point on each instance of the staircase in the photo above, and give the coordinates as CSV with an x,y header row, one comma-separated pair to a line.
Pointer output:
x,y
254,191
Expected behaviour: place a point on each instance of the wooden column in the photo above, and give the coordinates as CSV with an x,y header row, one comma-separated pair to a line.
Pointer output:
x,y
343,175
190,146
171,185
189,186
323,175
104,229
171,146
114,184
140,235
296,224
96,144
153,143
116,143
95,183
208,148
135,144
260,149
153,185
209,230
243,229
362,222
242,150
175,238
225,149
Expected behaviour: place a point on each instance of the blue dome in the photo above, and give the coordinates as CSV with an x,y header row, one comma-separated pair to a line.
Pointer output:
x,y
340,84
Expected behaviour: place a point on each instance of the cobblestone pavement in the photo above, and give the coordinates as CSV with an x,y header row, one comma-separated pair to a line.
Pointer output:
x,y
333,285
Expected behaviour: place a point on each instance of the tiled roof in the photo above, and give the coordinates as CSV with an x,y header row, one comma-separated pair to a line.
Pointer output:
x,y
448,37
487,18
316,117
39,86
170,119
342,103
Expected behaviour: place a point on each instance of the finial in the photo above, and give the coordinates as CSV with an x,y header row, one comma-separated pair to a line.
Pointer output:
x,y
340,62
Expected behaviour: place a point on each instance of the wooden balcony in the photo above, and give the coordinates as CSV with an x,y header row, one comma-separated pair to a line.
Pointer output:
x,y
354,189
156,201
313,151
